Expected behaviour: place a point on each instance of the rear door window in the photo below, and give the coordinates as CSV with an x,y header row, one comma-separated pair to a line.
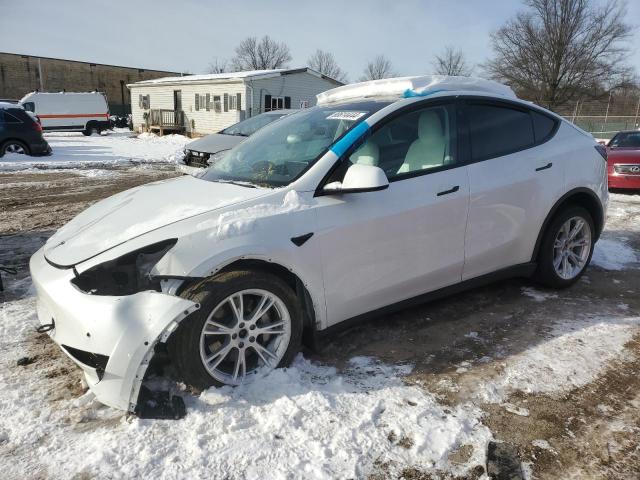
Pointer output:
x,y
497,130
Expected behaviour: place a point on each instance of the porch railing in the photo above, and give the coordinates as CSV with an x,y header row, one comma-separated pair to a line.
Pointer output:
x,y
166,118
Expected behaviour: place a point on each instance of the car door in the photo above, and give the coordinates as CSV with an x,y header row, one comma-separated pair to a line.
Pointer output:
x,y
385,246
513,183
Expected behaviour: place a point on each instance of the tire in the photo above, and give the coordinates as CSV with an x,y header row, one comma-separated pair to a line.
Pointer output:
x,y
547,274
90,129
14,146
190,345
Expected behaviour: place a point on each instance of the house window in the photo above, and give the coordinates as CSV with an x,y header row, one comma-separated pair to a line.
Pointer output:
x,y
233,103
217,104
304,103
276,103
144,102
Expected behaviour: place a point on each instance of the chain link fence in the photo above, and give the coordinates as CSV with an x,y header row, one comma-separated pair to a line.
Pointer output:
x,y
605,117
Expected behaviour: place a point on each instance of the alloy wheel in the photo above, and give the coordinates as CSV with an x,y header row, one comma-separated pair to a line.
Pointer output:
x,y
247,331
14,148
571,248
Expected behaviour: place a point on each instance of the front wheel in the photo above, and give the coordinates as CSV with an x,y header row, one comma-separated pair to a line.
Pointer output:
x,y
567,247
249,321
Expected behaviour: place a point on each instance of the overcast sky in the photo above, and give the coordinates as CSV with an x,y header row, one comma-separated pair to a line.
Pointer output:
x,y
185,35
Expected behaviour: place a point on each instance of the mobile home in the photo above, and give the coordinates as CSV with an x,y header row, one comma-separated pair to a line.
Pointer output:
x,y
203,104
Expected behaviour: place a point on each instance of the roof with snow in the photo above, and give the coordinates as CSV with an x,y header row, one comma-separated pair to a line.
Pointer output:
x,y
232,76
406,87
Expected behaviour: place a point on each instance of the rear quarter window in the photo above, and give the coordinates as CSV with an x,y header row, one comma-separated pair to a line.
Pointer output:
x,y
13,116
543,126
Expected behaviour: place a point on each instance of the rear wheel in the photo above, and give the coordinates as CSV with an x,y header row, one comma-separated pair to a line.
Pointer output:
x,y
91,129
249,321
566,249
14,146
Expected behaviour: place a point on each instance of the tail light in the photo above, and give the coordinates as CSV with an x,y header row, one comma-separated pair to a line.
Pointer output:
x,y
602,150
37,127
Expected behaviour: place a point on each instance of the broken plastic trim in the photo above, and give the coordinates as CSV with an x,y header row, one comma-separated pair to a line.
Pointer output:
x,y
94,360
125,275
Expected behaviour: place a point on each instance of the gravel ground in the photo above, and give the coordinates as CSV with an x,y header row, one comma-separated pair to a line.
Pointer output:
x,y
556,373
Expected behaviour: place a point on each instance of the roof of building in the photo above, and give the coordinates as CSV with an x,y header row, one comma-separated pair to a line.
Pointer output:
x,y
232,76
406,87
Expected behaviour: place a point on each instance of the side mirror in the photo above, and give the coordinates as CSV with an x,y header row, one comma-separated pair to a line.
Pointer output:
x,y
359,178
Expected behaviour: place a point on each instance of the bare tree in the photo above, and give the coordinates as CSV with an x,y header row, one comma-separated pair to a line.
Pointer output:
x,y
218,66
378,68
557,50
325,63
263,54
451,62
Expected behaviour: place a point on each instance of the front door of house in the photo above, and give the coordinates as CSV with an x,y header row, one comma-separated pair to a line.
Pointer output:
x,y
177,100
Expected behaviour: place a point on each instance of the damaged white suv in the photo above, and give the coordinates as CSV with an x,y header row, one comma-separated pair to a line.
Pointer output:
x,y
385,193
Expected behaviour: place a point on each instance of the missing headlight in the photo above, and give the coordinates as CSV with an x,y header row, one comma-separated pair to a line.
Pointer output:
x,y
126,275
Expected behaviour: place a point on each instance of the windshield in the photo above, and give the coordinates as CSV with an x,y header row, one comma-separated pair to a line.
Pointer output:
x,y
248,127
279,153
626,140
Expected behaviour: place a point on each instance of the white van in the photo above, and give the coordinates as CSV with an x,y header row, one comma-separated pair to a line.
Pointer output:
x,y
69,111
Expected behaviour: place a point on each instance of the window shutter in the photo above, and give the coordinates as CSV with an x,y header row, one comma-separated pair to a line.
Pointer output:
x,y
226,102
197,102
287,102
238,98
267,103
208,102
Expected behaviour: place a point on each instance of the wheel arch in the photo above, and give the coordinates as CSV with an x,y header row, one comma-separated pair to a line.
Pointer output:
x,y
19,140
583,197
291,278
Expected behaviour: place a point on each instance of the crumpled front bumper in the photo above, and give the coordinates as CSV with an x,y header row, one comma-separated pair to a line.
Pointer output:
x,y
124,329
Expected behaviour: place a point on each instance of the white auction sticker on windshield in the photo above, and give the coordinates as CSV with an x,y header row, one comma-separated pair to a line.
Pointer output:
x,y
346,115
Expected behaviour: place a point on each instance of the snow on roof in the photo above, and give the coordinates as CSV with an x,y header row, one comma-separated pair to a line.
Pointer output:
x,y
230,76
9,105
405,87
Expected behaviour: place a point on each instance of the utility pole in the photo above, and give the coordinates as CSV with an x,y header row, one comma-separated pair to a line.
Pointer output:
x,y
606,115
40,75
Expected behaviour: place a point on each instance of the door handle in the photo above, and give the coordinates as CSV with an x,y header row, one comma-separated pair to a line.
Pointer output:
x,y
548,165
447,192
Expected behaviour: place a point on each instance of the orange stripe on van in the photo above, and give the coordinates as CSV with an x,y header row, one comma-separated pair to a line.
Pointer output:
x,y
75,115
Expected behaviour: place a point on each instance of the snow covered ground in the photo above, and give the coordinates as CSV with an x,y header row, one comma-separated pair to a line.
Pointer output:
x,y
308,421
119,147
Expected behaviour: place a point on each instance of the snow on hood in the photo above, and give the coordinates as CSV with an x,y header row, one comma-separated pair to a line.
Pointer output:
x,y
138,211
404,87
242,220
215,143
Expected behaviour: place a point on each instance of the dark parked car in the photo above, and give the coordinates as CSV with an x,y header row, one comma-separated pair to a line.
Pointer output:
x,y
20,132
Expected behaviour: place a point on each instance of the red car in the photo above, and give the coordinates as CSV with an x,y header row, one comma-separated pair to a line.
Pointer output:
x,y
623,160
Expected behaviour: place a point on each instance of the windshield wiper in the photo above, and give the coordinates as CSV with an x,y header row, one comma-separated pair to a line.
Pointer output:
x,y
240,184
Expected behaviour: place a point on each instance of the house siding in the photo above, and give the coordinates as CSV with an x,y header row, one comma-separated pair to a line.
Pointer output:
x,y
299,86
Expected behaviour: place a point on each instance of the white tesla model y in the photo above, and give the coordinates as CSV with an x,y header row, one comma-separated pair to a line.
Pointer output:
x,y
385,193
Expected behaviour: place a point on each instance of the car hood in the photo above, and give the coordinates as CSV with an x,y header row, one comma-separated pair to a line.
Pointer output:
x,y
140,210
618,155
215,143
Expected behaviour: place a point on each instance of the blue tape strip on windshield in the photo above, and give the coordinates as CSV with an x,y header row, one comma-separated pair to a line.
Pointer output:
x,y
408,93
350,138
